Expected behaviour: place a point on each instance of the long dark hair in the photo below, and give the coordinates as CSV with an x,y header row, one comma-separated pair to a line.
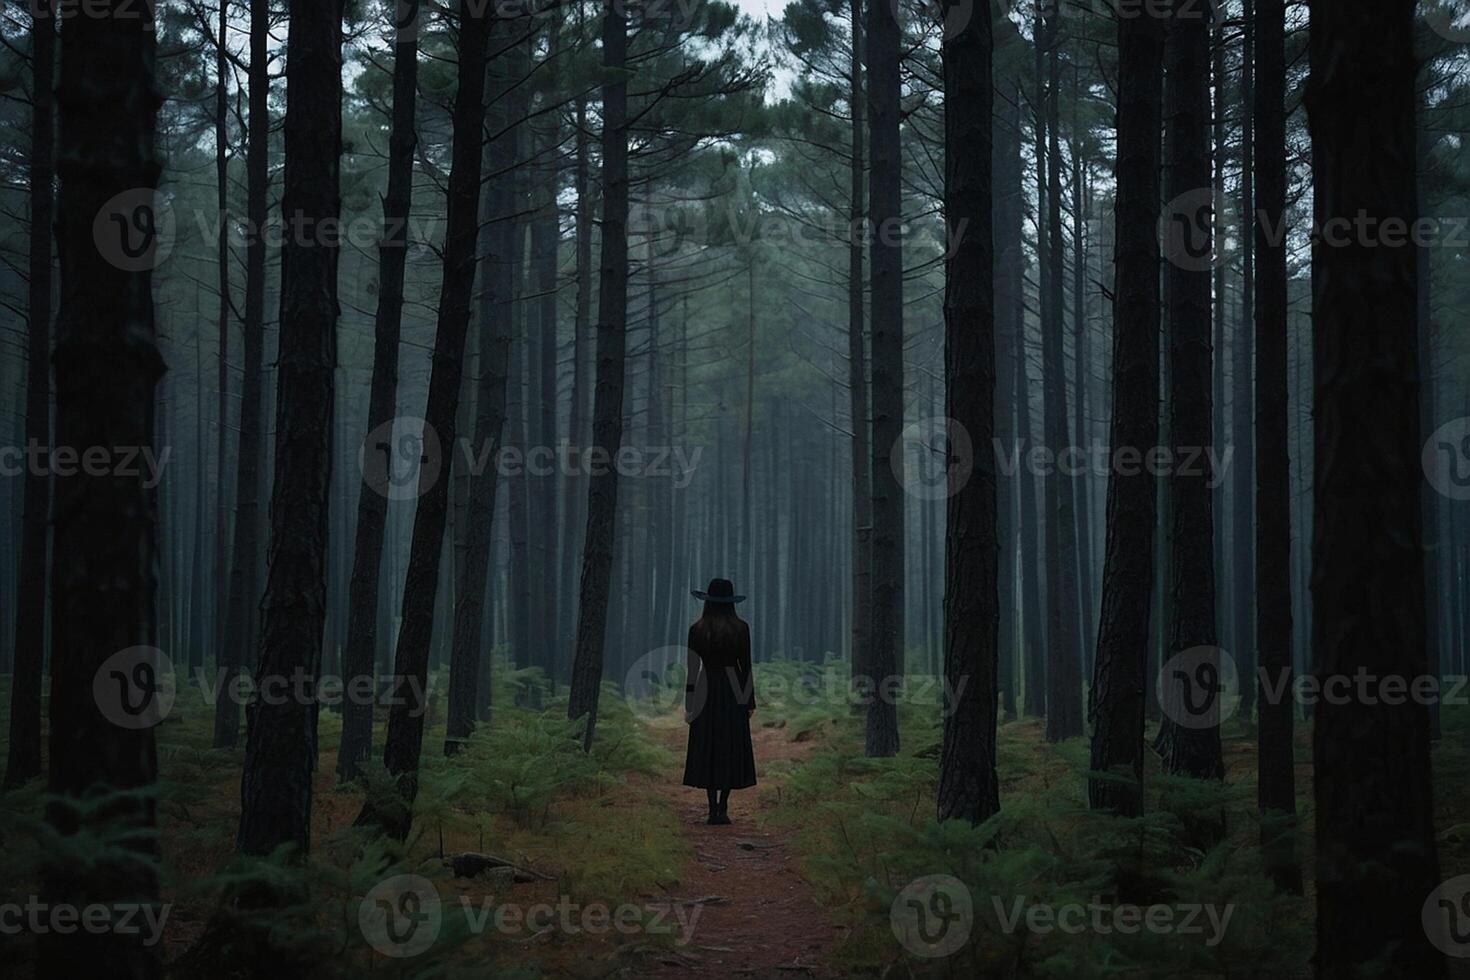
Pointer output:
x,y
719,624
719,610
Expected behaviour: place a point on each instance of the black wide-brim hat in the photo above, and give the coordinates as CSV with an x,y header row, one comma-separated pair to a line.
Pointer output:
x,y
720,590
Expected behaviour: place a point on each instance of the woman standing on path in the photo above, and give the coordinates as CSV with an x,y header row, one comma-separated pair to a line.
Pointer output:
x,y
719,700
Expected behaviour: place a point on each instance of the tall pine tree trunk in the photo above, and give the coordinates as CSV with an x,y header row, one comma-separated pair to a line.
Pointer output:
x,y
545,251
222,283
1220,312
519,598
1242,419
102,761
744,560
23,761
241,625
372,502
857,362
1276,773
607,413
496,299
1032,622
421,587
1081,364
1120,679
1006,248
1429,498
280,751
885,214
1376,857
573,485
968,784
1064,667
198,619
1189,738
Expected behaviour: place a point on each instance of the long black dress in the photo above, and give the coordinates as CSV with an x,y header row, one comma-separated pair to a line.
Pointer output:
x,y
720,754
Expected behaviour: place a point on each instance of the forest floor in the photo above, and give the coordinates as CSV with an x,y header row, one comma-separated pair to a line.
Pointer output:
x,y
810,879
760,917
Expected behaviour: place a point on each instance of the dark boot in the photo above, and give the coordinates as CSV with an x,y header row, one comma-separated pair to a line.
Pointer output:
x,y
721,815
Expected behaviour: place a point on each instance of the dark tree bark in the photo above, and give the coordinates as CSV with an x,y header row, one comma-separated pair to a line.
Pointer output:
x,y
520,597
1032,570
1242,414
1120,679
885,215
743,562
857,363
1009,324
679,559
659,493
1081,483
577,434
372,503
1192,749
1064,667
518,571
1276,778
198,613
607,412
1032,622
242,624
102,767
1220,325
1434,592
545,252
219,572
23,761
421,587
968,783
496,303
280,750
1376,854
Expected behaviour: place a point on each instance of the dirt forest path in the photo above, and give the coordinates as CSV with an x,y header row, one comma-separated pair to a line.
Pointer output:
x,y
758,917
